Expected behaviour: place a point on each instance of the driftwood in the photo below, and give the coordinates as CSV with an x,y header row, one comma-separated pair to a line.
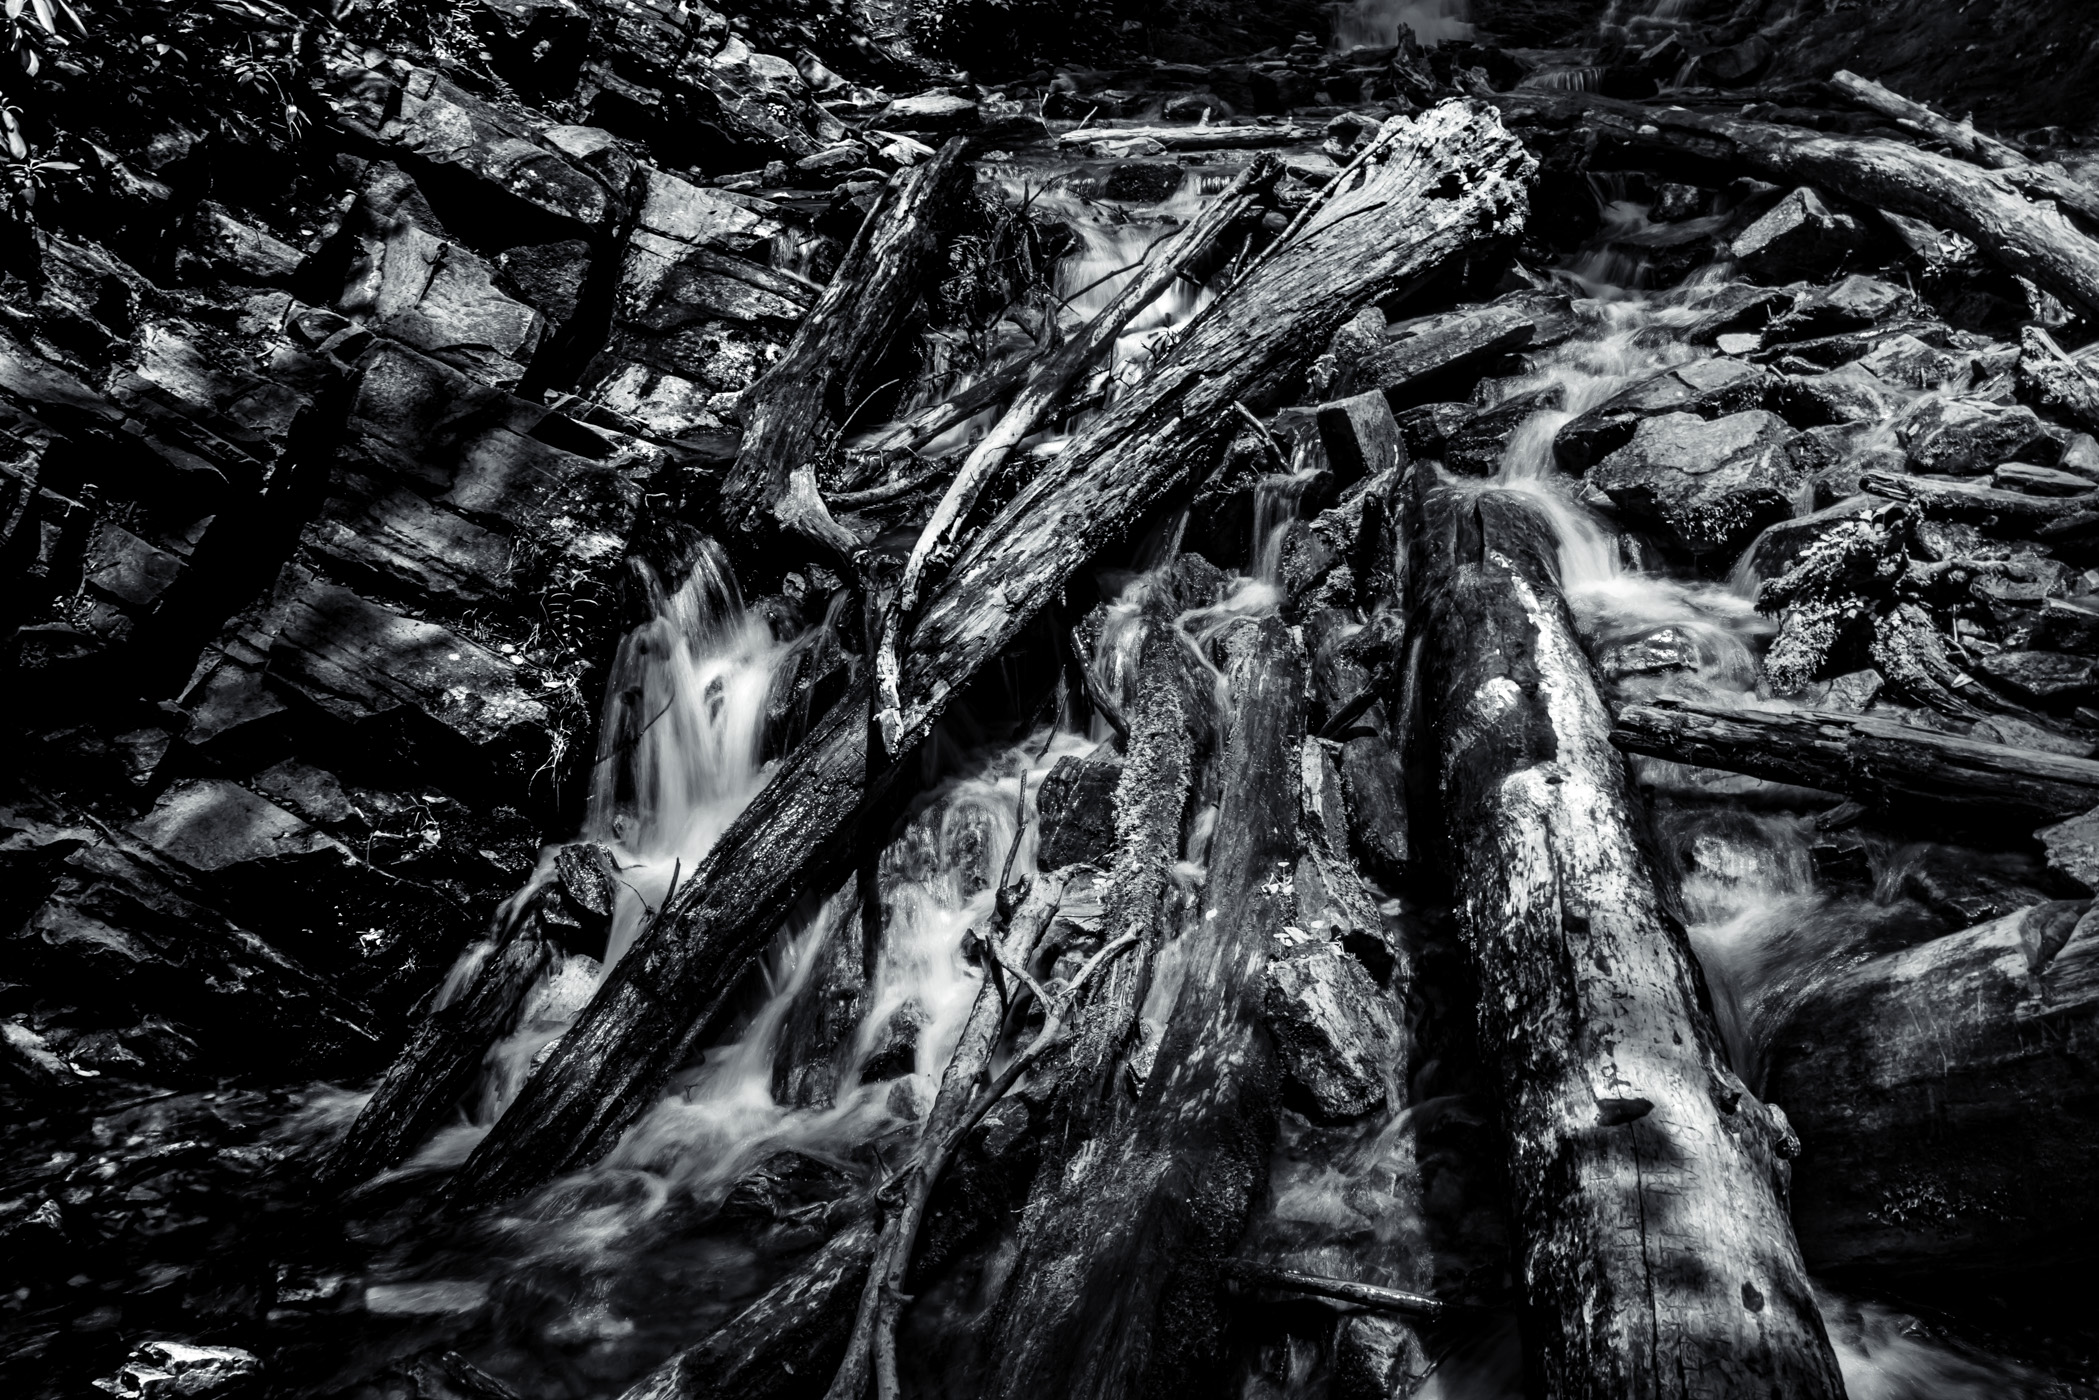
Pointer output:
x,y
793,415
1453,183
2032,176
1649,1184
1117,1289
1947,1114
1193,138
1989,207
436,1069
1873,761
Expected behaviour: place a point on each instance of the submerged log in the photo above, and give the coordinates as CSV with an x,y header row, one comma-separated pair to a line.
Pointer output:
x,y
436,1069
794,414
1872,761
1947,1112
1118,1287
1452,183
1649,1184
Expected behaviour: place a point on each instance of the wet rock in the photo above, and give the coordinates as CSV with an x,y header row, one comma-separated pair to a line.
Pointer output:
x,y
2048,678
929,113
1335,1035
784,1184
1434,353
1342,370
1850,394
2073,849
895,1052
1426,428
1905,360
1654,653
1967,892
1708,388
1853,304
2040,481
164,1370
213,827
1799,238
2069,625
1967,437
1361,437
1076,806
549,277
1708,485
1475,447
1739,64
225,246
1737,308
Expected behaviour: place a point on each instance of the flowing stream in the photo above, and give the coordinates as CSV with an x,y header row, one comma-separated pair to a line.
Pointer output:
x,y
581,1288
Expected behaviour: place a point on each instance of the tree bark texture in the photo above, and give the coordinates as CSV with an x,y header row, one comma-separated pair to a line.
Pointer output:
x,y
1452,184
1118,1284
793,415
1649,1184
1874,761
1947,1112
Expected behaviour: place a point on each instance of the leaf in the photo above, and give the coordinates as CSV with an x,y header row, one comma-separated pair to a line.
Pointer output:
x,y
14,8
73,15
45,17
30,62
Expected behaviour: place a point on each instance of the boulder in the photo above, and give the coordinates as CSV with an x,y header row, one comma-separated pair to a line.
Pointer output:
x,y
1853,304
1476,446
1711,388
1967,437
934,113
758,102
1708,485
2047,678
1336,1037
213,827
2073,849
2069,624
1077,809
1798,238
169,1370
1903,359
1849,394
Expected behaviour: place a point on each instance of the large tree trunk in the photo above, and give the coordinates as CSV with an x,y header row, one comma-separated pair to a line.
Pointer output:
x,y
1453,185
1649,1185
2033,239
793,415
1118,1287
1947,1112
1874,761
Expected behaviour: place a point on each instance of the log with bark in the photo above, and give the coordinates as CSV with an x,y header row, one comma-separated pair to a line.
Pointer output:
x,y
1876,762
1452,183
794,415
1649,1184
1943,1094
1118,1283
1191,138
2034,177
2035,240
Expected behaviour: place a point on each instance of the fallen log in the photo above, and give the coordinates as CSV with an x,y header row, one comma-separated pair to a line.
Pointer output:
x,y
1452,183
1369,1295
1118,1284
1649,1184
436,1069
1948,1117
794,414
2036,241
2030,175
1193,138
1981,505
1045,385
1873,761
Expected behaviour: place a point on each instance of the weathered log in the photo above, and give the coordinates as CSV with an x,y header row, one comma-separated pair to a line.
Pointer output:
x,y
1192,138
1873,761
1947,1112
436,1069
2032,176
794,413
2036,241
1045,385
1370,1295
1453,181
1118,1284
1053,374
1649,1184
